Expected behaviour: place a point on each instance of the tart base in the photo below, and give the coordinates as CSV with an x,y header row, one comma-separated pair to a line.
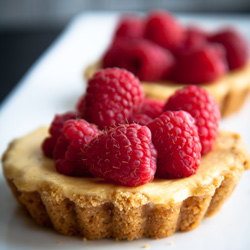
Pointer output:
x,y
105,221
95,209
230,91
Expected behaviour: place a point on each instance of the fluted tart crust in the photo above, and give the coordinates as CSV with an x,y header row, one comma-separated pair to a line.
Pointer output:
x,y
93,208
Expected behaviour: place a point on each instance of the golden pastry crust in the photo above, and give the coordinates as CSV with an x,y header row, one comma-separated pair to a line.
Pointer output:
x,y
94,209
230,91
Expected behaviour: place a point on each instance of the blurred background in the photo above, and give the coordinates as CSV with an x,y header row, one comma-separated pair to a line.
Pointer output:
x,y
28,27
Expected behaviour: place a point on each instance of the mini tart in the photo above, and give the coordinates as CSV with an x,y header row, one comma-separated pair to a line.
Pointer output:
x,y
93,208
230,91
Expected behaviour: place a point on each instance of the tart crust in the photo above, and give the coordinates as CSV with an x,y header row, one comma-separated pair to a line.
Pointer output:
x,y
230,91
93,208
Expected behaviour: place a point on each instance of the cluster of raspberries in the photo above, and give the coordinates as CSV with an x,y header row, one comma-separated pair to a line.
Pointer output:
x,y
157,47
118,134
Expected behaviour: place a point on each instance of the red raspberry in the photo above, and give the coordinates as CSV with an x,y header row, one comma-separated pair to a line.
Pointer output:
x,y
176,140
152,107
68,150
203,108
113,96
130,27
80,104
236,46
162,28
148,61
124,155
196,31
194,38
201,65
141,119
55,130
116,53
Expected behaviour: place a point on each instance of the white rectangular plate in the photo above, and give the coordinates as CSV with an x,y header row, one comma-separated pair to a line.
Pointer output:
x,y
52,86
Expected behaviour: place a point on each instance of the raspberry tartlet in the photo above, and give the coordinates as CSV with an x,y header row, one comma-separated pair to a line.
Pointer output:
x,y
127,180
166,56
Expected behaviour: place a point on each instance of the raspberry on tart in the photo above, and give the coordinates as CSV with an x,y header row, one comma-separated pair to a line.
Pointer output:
x,y
123,155
177,142
148,61
130,26
235,44
80,104
113,96
163,29
194,38
115,54
203,108
55,130
68,149
204,64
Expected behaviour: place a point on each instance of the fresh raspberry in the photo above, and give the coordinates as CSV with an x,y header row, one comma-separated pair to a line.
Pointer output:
x,y
68,150
194,38
236,46
203,108
48,146
115,54
196,31
124,155
80,104
176,140
55,130
148,61
162,28
152,107
130,27
141,119
201,65
113,96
